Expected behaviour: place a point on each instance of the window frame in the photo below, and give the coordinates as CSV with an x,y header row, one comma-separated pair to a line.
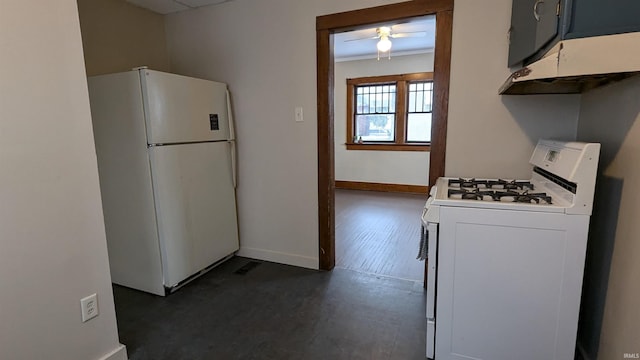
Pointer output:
x,y
402,89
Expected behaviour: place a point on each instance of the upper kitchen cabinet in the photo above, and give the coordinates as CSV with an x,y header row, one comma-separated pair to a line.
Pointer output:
x,y
533,24
537,25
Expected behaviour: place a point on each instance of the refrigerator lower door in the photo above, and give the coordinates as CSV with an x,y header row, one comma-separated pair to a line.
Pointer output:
x,y
195,206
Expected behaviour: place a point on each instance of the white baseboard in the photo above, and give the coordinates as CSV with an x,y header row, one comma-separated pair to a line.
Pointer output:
x,y
279,257
120,353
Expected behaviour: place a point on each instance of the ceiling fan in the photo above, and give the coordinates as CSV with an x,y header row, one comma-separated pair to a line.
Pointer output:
x,y
384,33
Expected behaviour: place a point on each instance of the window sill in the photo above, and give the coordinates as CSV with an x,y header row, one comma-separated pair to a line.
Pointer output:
x,y
389,147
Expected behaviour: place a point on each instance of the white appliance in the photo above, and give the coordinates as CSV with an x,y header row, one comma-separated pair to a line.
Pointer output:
x,y
166,159
506,259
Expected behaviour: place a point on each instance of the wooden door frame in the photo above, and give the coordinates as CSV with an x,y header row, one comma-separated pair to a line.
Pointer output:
x,y
326,26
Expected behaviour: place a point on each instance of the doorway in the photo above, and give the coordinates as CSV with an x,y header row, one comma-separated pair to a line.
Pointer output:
x,y
330,24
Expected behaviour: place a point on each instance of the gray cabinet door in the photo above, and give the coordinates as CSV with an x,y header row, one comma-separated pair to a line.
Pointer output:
x,y
595,17
546,14
533,24
522,35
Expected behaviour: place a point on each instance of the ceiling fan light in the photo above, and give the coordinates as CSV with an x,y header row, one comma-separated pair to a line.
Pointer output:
x,y
384,44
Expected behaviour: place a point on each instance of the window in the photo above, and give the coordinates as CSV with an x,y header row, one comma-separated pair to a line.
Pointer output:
x,y
390,112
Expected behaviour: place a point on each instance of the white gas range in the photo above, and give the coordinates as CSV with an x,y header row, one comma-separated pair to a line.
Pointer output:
x,y
506,259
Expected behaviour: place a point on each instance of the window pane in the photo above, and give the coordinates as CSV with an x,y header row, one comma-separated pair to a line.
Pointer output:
x,y
419,127
375,99
427,101
392,102
412,101
420,97
359,104
375,127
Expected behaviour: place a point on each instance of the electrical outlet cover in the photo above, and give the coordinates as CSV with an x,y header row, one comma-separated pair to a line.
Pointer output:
x,y
89,307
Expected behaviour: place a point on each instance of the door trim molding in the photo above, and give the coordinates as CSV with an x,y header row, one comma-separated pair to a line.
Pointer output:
x,y
371,186
350,20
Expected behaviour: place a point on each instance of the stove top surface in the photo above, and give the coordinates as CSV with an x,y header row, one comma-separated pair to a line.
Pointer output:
x,y
511,194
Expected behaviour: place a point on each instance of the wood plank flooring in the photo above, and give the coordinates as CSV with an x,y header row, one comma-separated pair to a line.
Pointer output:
x,y
379,233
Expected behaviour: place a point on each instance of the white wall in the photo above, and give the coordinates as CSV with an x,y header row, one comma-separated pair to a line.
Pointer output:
x,y
389,167
488,134
611,116
265,50
52,241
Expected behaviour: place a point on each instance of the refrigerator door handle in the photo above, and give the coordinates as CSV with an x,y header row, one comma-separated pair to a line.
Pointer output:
x,y
232,129
234,168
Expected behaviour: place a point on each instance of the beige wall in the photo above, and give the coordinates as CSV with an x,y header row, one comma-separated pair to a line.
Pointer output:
x,y
389,167
266,52
490,135
118,36
52,241
611,115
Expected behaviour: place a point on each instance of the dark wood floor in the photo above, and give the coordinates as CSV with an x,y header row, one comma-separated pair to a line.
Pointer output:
x,y
273,311
379,233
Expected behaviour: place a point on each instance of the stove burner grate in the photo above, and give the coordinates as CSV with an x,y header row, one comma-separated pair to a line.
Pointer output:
x,y
470,194
514,196
522,197
490,184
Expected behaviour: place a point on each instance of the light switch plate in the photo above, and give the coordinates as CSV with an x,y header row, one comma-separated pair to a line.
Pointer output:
x,y
299,114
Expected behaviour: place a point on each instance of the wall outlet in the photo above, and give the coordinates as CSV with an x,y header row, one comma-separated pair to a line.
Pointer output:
x,y
89,307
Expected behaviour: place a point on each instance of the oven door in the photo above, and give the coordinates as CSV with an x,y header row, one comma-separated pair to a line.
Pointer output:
x,y
432,265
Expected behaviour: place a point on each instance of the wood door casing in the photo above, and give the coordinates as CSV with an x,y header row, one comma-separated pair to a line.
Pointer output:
x,y
326,26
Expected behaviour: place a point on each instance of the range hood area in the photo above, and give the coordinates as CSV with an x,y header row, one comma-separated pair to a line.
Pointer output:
x,y
574,66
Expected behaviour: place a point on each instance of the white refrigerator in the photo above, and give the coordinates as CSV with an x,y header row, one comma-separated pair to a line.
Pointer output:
x,y
166,159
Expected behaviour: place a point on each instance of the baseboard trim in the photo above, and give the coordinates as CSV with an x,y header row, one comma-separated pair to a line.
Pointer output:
x,y
357,185
279,257
120,353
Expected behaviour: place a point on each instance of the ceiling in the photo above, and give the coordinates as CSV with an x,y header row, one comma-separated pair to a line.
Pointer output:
x,y
171,6
344,48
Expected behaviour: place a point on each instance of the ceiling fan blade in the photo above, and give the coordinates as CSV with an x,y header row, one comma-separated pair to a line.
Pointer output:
x,y
362,38
409,34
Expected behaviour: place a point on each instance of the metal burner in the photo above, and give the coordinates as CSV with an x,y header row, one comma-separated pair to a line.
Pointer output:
x,y
523,197
467,183
470,194
490,184
510,185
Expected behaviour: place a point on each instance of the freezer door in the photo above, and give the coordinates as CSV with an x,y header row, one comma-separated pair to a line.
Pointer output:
x,y
195,206
181,109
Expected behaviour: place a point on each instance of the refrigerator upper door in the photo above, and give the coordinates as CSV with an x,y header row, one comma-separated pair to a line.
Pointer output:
x,y
195,206
181,109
